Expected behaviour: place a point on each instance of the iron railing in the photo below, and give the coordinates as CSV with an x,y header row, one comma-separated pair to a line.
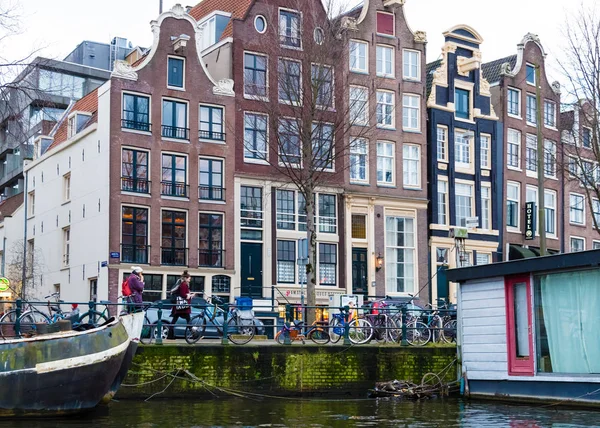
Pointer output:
x,y
173,256
171,188
213,193
135,185
175,132
135,253
138,126
211,135
211,258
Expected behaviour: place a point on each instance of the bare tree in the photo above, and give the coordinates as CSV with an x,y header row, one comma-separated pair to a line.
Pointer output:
x,y
308,126
33,265
581,125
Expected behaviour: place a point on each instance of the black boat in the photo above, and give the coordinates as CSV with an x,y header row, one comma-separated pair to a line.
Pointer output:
x,y
60,373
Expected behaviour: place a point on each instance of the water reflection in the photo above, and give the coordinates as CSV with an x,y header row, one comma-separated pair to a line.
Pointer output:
x,y
320,413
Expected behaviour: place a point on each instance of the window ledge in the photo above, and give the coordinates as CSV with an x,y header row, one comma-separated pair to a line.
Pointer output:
x,y
357,71
360,183
460,119
174,198
578,225
256,161
386,76
530,173
388,185
532,124
412,130
386,127
514,168
411,79
204,140
514,116
142,195
211,201
551,177
293,48
413,188
552,128
511,229
175,140
136,131
256,98
387,36
176,88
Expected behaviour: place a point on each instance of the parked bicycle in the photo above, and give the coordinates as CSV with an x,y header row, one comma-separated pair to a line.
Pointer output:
x,y
359,329
299,331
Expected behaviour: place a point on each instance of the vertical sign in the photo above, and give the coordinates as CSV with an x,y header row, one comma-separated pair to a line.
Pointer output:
x,y
529,220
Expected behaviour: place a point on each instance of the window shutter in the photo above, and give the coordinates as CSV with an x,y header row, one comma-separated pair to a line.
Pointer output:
x,y
385,23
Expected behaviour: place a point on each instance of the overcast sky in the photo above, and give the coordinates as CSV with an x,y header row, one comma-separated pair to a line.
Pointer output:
x,y
58,26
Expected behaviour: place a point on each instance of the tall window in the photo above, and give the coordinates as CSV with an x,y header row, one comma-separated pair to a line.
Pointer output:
x,y
411,61
289,29
385,109
385,61
173,238
255,75
483,259
211,179
513,194
385,23
576,209
442,143
134,171
66,253
411,165
359,106
577,244
530,74
586,139
255,136
286,262
514,102
385,163
531,153
550,210
358,56
531,109
486,208
442,201
327,264
462,149
596,212
484,147
463,202
358,159
174,120
549,114
134,235
251,212
290,81
31,201
210,240
322,146
327,210
461,103
174,175
67,187
549,158
359,226
136,112
175,73
286,213
399,255
513,144
211,123
289,142
410,112
322,82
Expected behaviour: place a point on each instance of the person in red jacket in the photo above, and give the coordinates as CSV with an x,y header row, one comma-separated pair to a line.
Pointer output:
x,y
182,308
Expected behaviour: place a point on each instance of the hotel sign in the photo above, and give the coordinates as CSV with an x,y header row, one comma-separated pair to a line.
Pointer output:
x,y
529,220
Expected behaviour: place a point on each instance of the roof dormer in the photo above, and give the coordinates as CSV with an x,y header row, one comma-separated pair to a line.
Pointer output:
x,y
76,122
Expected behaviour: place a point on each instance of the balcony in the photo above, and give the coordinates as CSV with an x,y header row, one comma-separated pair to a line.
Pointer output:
x,y
175,132
211,258
211,135
212,193
138,126
173,256
135,253
135,185
177,190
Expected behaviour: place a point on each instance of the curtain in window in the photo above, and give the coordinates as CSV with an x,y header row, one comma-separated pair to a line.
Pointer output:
x,y
571,303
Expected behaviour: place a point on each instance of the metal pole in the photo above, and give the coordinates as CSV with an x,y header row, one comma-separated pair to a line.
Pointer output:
x,y
158,324
25,197
288,320
18,318
540,163
160,6
404,340
225,338
347,326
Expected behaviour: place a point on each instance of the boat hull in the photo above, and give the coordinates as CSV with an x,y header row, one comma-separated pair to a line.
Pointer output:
x,y
60,373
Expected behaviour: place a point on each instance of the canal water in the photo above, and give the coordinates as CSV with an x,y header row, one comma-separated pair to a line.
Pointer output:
x,y
238,412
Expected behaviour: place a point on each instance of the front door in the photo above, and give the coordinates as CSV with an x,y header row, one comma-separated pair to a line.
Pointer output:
x,y
519,323
251,255
359,271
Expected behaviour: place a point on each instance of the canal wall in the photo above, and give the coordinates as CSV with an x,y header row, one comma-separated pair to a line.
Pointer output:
x,y
199,371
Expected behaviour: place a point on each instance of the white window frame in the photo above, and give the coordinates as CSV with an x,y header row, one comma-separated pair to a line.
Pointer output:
x,y
488,257
531,166
384,107
394,26
573,209
527,81
407,161
518,91
362,118
595,212
471,197
66,247
281,61
299,35
546,207
517,185
389,247
552,104
266,152
550,150
595,245
354,56
529,96
176,88
442,143
409,110
384,156
357,151
257,97
576,238
406,63
67,187
485,154
459,150
486,206
513,132
385,56
31,204
442,198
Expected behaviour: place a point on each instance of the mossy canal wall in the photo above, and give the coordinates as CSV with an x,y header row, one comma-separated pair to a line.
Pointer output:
x,y
278,370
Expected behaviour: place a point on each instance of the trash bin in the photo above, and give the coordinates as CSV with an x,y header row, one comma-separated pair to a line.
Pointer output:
x,y
243,303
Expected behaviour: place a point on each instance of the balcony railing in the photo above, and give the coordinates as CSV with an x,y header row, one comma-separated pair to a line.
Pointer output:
x,y
211,258
175,132
135,185
135,253
178,190
213,193
211,135
138,126
173,256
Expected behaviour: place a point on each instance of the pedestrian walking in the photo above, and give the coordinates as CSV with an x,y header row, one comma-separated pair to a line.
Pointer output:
x,y
136,285
183,298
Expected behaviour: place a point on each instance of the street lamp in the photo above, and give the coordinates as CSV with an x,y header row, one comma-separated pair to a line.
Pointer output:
x,y
379,262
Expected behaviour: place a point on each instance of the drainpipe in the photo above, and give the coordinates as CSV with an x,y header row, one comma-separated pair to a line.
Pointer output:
x,y
3,256
25,197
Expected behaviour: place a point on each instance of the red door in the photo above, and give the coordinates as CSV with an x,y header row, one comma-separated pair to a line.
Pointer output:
x,y
519,326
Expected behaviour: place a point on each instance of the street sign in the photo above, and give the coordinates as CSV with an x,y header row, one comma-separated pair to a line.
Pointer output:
x,y
471,222
529,220
103,264
4,284
115,255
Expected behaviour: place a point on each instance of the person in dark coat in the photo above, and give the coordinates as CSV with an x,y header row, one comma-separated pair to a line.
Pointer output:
x,y
183,308
136,285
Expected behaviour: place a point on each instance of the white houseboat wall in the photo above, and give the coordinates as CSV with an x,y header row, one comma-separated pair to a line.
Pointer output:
x,y
528,328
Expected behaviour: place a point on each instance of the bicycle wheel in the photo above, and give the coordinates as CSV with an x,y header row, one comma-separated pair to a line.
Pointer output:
x,y
448,334
193,332
417,333
7,325
146,336
319,336
95,316
280,337
239,334
394,331
29,319
435,326
336,330
360,331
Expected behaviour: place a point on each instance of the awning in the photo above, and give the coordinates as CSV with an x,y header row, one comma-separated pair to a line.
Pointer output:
x,y
516,252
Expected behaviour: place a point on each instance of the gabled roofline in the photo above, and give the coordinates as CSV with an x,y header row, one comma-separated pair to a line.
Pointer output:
x,y
451,32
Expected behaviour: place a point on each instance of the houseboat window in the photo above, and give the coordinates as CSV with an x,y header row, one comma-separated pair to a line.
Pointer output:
x,y
521,322
567,316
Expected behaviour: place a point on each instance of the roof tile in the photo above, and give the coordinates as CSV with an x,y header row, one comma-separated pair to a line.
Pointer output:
x,y
492,70
10,205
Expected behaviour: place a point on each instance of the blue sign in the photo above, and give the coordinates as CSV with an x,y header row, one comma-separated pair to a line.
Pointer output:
x,y
115,255
103,264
